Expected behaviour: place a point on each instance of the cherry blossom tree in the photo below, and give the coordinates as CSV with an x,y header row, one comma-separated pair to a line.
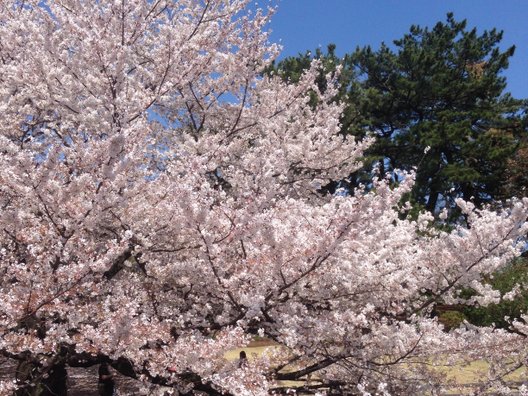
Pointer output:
x,y
159,207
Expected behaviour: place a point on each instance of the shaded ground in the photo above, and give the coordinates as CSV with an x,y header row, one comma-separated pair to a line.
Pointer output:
x,y
83,381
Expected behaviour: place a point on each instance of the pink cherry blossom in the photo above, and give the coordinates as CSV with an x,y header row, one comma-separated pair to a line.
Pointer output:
x,y
159,205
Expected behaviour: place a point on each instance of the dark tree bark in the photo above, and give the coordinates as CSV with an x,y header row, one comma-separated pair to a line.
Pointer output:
x,y
35,380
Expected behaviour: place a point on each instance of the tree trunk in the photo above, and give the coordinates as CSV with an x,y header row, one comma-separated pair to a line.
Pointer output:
x,y
37,381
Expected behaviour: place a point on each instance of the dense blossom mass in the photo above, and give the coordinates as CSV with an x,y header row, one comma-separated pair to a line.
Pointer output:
x,y
160,206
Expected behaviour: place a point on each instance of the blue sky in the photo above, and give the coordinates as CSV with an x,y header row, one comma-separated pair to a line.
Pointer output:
x,y
301,25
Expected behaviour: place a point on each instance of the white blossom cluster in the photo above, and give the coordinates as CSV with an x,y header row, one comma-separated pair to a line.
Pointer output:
x,y
159,203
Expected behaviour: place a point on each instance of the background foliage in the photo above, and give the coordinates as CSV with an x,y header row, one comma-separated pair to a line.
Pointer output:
x,y
440,90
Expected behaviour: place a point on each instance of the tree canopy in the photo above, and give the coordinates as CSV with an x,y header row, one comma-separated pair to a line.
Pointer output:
x,y
435,101
161,205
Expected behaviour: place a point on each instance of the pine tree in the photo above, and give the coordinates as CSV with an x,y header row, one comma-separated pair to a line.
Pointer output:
x,y
435,101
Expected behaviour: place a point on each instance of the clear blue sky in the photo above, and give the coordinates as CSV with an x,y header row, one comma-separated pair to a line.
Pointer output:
x,y
301,25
